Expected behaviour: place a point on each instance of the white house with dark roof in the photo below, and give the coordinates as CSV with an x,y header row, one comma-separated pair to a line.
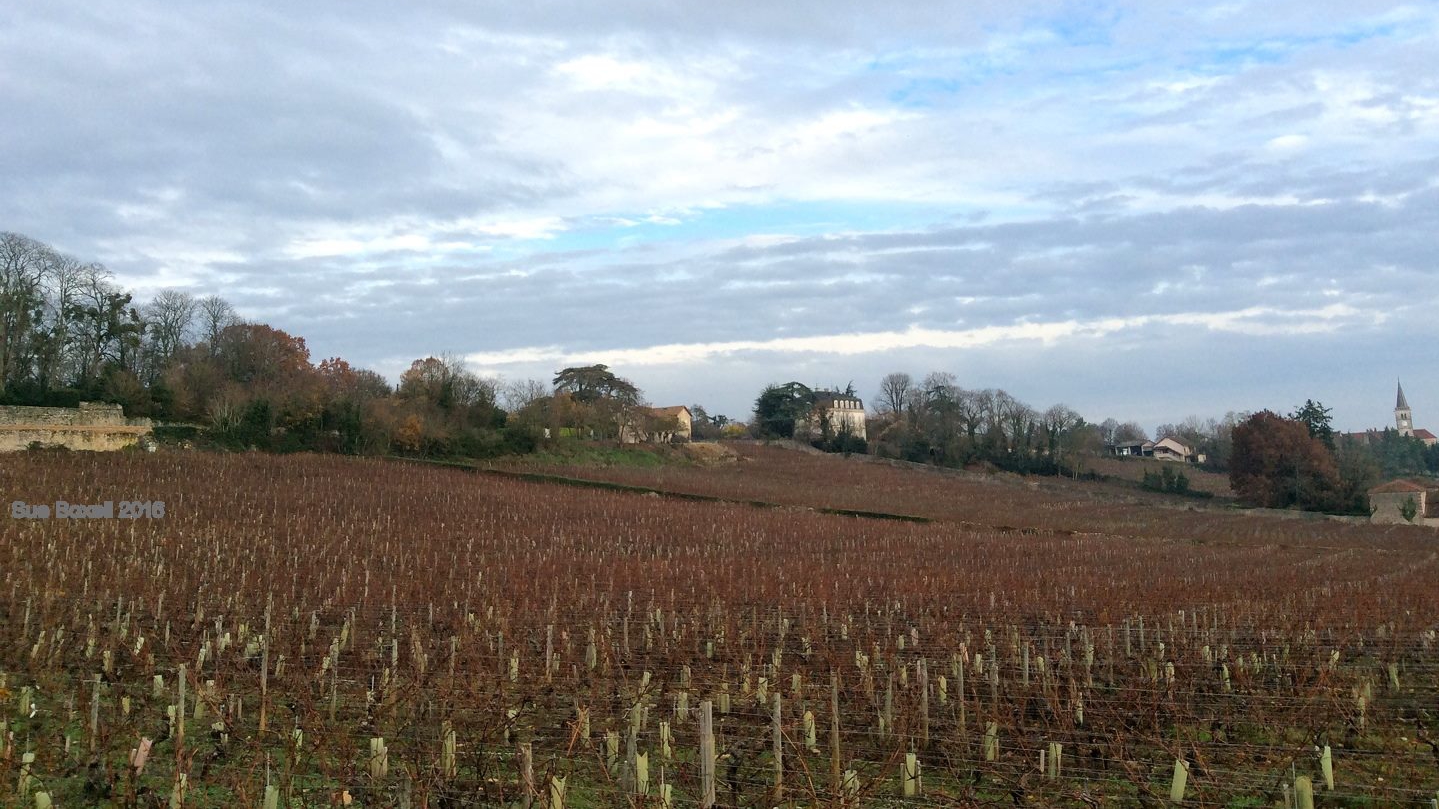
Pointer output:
x,y
844,412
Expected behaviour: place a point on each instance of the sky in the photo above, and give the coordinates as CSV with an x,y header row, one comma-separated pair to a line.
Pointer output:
x,y
1143,210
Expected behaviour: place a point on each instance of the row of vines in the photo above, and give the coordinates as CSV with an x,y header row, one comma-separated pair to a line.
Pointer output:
x,y
317,631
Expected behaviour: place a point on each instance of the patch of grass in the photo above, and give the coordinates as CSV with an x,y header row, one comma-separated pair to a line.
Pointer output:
x,y
589,453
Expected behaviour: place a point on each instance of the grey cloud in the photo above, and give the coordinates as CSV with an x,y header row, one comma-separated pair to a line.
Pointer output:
x,y
1296,257
208,142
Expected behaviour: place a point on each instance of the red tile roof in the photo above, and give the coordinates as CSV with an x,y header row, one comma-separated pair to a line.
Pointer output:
x,y
1401,487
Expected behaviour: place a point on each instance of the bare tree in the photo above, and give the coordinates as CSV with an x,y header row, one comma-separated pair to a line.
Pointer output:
x,y
96,314
169,318
894,393
23,264
54,352
215,315
1107,431
969,412
989,407
1058,421
1129,431
1019,421
1195,430
518,394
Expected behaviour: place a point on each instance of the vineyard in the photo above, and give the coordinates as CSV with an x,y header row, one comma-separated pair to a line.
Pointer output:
x,y
310,631
770,474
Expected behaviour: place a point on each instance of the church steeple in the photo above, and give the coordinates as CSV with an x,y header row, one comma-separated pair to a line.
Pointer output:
x,y
1403,418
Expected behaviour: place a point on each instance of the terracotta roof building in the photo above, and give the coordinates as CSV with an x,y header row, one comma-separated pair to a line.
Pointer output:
x,y
1407,500
658,425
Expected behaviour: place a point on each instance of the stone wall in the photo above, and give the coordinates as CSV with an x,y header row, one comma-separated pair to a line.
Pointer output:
x,y
91,426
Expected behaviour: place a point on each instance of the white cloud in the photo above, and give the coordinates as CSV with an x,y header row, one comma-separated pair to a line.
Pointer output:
x,y
1287,142
1254,321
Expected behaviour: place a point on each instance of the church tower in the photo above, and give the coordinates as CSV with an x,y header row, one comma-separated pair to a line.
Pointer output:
x,y
1403,419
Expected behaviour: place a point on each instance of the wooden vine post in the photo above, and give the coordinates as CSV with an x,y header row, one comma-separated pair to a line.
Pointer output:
x,y
707,755
778,744
94,715
177,793
265,673
834,768
527,775
924,704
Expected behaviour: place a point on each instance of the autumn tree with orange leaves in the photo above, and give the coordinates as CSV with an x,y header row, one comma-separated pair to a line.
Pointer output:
x,y
1278,464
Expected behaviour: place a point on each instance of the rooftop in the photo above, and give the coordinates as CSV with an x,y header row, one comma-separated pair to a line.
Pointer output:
x,y
1403,487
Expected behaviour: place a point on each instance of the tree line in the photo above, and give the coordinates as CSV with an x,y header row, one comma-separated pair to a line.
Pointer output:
x,y
936,421
69,333
1293,461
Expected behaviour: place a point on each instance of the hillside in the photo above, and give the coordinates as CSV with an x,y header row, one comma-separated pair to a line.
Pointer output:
x,y
753,472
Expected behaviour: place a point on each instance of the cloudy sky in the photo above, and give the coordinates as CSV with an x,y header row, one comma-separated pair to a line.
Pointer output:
x,y
1144,209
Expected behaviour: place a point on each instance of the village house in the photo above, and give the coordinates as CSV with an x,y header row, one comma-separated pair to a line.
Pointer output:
x,y
1165,449
1412,501
658,425
1172,449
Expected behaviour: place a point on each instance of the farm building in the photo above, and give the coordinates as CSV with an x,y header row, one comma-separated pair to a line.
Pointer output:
x,y
658,425
1137,449
1392,502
